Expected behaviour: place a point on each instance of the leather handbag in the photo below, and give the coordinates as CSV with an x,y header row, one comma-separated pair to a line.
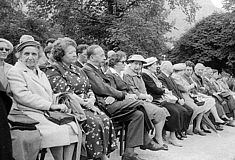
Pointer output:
x,y
59,117
199,101
19,120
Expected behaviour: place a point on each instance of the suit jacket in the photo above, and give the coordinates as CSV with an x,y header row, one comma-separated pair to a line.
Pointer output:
x,y
30,91
101,85
151,86
170,85
117,82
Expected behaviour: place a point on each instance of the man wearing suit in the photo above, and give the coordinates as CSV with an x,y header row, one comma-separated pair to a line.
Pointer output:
x,y
116,103
168,82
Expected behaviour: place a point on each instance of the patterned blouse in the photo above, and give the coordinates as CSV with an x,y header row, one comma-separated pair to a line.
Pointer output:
x,y
64,78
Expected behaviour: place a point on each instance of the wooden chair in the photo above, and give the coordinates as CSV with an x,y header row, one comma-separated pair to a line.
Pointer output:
x,y
42,154
121,128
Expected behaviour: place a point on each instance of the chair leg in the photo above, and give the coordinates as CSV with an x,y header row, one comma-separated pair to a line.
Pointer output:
x,y
43,153
121,139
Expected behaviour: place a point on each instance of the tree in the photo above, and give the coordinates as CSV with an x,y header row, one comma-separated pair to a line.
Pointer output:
x,y
210,41
14,24
131,25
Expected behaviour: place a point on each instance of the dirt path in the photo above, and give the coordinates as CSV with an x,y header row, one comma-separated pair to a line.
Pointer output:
x,y
210,147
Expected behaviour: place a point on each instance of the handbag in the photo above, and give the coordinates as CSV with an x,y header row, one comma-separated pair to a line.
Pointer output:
x,y
170,98
224,94
59,117
76,111
19,120
199,101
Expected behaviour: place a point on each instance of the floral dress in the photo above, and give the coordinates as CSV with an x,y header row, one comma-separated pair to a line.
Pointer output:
x,y
100,134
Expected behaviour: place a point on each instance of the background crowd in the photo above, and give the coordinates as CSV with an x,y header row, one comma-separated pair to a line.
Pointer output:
x,y
174,101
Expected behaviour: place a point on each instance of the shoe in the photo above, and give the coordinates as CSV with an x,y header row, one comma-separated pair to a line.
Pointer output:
x,y
165,147
231,123
199,132
219,123
153,146
219,128
183,135
175,143
206,131
225,119
189,132
133,156
178,136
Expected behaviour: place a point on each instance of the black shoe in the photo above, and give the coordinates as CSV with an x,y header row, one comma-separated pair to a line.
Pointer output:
x,y
153,146
219,128
183,135
178,136
133,156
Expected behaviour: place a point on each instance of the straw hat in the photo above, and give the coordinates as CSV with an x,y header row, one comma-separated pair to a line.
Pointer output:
x,y
8,43
25,41
136,57
150,61
179,66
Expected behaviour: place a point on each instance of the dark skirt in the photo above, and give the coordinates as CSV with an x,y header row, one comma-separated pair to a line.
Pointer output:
x,y
179,119
100,135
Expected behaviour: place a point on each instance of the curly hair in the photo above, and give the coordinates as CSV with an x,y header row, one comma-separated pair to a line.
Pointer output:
x,y
114,59
189,64
59,46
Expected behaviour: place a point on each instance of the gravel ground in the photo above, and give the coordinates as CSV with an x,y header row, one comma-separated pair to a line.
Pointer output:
x,y
211,147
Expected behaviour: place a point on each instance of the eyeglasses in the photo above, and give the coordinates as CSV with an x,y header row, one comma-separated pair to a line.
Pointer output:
x,y
123,62
6,49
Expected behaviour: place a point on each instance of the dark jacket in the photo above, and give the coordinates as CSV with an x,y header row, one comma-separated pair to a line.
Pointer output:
x,y
169,83
152,87
101,86
5,138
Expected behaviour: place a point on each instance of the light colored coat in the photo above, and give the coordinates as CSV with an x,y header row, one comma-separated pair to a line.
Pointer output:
x,y
184,87
33,95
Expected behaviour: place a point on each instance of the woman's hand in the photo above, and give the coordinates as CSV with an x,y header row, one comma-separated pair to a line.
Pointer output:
x,y
131,96
60,107
149,98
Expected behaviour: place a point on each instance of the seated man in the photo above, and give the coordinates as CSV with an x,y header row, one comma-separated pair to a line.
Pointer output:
x,y
116,103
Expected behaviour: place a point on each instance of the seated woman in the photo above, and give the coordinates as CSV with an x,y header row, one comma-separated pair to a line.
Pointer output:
x,y
156,114
185,88
114,73
64,76
33,95
180,116
20,142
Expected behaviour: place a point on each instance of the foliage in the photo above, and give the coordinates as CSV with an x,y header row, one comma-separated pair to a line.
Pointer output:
x,y
210,41
131,25
14,24
229,5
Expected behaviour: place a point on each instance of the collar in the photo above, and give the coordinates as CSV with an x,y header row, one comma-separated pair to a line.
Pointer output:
x,y
22,66
131,73
166,74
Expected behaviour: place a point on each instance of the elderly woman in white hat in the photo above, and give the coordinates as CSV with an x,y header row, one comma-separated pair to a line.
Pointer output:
x,y
157,114
180,117
33,95
5,49
185,88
